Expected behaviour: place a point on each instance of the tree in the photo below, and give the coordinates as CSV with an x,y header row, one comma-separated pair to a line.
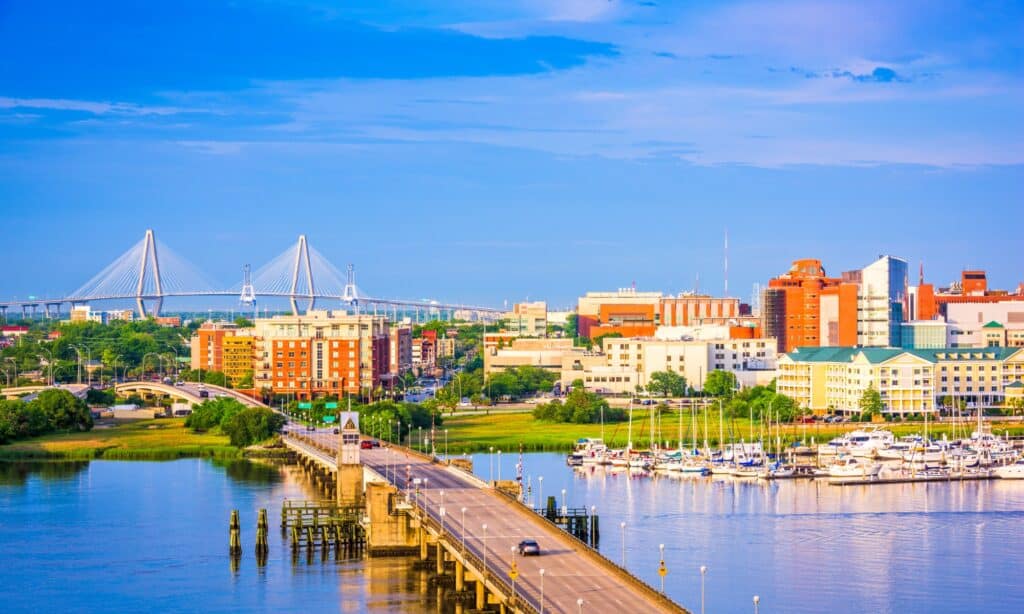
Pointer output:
x,y
243,322
667,383
63,410
599,340
246,381
720,383
572,326
212,413
870,402
251,425
478,400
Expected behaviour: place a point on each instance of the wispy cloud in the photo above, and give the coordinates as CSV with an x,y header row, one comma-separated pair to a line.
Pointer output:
x,y
89,106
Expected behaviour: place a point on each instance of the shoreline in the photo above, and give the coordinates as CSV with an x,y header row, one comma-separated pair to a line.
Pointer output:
x,y
143,440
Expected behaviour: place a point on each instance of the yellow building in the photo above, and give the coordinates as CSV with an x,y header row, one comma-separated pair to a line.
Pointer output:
x,y
237,357
528,319
826,379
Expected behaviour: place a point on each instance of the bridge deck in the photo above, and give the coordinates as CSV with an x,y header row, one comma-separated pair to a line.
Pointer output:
x,y
572,571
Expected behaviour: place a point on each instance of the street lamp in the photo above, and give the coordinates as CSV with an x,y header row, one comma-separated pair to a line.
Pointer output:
x,y
490,464
579,605
565,504
499,465
15,363
514,575
622,525
49,362
463,526
757,600
446,445
540,491
661,566
485,550
703,571
541,590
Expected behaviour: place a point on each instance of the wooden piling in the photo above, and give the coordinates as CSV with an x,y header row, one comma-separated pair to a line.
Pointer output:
x,y
262,545
235,535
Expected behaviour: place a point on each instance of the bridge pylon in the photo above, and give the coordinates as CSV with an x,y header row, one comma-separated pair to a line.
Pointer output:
x,y
303,266
150,263
248,296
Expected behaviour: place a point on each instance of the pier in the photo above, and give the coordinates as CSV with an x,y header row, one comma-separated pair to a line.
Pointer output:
x,y
467,531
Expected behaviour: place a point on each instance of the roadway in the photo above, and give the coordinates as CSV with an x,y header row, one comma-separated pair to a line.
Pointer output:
x,y
572,571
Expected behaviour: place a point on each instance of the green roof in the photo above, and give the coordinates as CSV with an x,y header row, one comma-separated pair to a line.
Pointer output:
x,y
879,355
1014,385
993,324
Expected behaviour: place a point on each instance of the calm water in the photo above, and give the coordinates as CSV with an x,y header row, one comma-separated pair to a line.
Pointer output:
x,y
138,536
141,536
805,546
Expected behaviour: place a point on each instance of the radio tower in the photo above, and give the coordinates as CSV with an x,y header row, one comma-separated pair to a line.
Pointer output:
x,y
248,296
726,262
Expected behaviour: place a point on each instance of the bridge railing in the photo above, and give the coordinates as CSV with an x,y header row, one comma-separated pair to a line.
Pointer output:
x,y
516,600
594,554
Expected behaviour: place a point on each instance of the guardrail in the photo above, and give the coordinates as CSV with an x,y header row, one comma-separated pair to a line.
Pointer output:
x,y
515,600
594,555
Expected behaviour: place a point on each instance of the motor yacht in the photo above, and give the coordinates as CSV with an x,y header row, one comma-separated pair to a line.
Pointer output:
x,y
866,442
1013,471
853,468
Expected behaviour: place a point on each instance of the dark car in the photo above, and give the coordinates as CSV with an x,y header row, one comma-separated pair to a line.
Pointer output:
x,y
337,431
528,547
376,443
310,427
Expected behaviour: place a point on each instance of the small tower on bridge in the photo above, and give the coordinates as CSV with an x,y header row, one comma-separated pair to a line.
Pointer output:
x,y
350,471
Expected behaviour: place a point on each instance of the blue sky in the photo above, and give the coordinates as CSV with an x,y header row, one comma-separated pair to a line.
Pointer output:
x,y
489,151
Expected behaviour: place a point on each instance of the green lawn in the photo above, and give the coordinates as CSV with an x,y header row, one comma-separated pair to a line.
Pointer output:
x,y
163,438
507,431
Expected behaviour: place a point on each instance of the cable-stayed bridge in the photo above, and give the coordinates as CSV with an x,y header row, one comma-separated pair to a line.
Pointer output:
x,y
150,272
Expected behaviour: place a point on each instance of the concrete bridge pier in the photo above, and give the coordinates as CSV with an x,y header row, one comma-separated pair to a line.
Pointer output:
x,y
460,576
439,568
350,484
481,594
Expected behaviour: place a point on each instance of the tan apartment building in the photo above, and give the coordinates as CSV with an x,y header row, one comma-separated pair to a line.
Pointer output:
x,y
544,354
528,319
829,379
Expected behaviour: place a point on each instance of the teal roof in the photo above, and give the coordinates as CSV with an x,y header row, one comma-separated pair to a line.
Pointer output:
x,y
993,324
1014,385
878,355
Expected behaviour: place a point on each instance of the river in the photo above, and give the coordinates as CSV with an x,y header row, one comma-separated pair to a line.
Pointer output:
x,y
130,536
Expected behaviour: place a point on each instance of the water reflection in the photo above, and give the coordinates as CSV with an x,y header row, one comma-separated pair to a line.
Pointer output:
x,y
17,473
807,546
252,472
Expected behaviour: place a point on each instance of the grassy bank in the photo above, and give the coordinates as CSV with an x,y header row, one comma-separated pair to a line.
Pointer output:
x,y
507,431
161,439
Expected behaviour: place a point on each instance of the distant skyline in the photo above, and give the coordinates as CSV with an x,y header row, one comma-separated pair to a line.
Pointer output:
x,y
490,151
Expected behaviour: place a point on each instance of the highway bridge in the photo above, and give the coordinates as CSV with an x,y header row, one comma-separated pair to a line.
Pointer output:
x,y
150,272
187,392
474,529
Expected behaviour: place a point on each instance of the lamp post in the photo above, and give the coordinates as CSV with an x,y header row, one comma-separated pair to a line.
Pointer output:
x,y
661,566
49,362
490,463
463,527
485,550
579,605
622,525
514,573
541,590
540,488
565,504
15,363
703,571
499,465
757,600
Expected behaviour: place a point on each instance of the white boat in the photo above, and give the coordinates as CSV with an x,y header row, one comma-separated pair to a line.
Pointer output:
x,y
740,471
1013,471
835,447
590,451
898,448
850,467
867,441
